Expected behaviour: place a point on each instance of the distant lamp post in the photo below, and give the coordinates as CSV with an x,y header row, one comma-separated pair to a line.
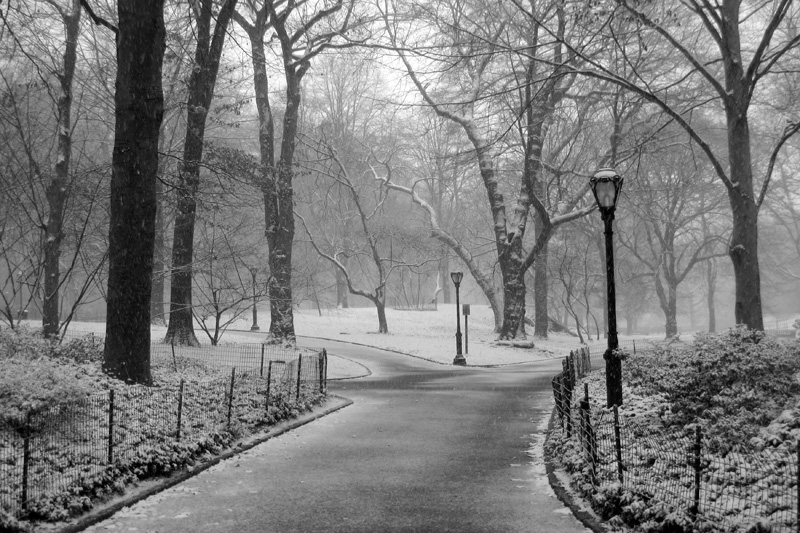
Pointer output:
x,y
606,185
459,360
254,327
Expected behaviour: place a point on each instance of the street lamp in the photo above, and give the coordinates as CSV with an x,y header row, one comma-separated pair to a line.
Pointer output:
x,y
254,327
459,360
606,185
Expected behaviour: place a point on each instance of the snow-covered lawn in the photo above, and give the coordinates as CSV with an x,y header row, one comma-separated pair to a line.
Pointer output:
x,y
426,334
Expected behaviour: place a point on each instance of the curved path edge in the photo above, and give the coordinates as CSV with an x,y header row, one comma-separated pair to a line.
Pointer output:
x,y
392,350
150,487
566,496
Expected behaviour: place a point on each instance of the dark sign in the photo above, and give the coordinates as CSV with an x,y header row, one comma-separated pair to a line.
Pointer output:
x,y
465,309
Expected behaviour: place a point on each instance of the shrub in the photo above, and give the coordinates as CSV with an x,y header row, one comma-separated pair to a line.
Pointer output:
x,y
32,383
734,382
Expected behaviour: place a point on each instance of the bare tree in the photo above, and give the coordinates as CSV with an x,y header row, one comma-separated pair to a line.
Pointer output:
x,y
712,64
303,31
203,79
380,267
462,96
675,222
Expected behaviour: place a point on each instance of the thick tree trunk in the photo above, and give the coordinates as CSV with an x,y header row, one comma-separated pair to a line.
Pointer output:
x,y
57,189
743,249
280,221
513,293
139,104
157,296
541,321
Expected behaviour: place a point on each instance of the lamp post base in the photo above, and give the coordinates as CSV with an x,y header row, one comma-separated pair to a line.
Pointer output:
x,y
460,360
255,328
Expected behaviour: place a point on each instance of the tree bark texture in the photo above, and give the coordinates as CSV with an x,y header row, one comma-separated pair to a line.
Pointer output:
x,y
57,189
711,285
201,92
157,295
744,235
139,109
279,211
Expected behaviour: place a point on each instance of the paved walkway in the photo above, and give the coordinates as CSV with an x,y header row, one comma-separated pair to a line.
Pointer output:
x,y
424,447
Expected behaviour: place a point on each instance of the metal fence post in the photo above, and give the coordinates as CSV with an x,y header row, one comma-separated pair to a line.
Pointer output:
x,y
299,370
26,459
322,371
269,383
695,509
111,426
618,444
230,396
587,434
567,383
180,411
262,361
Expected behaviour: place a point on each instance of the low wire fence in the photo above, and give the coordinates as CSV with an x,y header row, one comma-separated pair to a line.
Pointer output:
x,y
682,474
63,450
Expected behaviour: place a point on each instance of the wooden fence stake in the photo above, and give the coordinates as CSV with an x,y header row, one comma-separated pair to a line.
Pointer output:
x,y
180,411
230,396
299,370
618,444
111,426
269,383
697,449
321,359
587,434
26,459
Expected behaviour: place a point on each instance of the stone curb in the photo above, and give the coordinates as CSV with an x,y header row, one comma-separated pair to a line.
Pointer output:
x,y
566,497
159,485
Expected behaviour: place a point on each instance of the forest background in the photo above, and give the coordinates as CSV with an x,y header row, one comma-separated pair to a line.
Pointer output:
x,y
181,163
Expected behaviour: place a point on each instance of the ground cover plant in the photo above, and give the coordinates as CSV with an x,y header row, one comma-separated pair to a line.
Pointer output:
x,y
741,390
55,411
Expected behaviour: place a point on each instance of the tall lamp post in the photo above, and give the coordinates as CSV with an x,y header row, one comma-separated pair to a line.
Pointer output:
x,y
606,185
254,327
459,360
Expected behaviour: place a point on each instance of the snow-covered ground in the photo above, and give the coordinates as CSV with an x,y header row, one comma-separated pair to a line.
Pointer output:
x,y
426,334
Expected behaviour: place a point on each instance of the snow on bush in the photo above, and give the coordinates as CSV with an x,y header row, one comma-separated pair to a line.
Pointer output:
x,y
743,390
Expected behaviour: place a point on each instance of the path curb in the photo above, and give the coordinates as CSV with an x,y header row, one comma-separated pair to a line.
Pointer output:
x,y
567,497
334,403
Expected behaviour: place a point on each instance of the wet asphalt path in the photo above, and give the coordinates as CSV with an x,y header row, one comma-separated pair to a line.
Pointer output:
x,y
423,447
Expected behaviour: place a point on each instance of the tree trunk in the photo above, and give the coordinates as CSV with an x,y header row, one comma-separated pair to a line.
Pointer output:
x,y
513,292
280,221
57,189
671,312
341,289
139,109
743,249
711,284
201,91
444,276
380,304
157,296
541,321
